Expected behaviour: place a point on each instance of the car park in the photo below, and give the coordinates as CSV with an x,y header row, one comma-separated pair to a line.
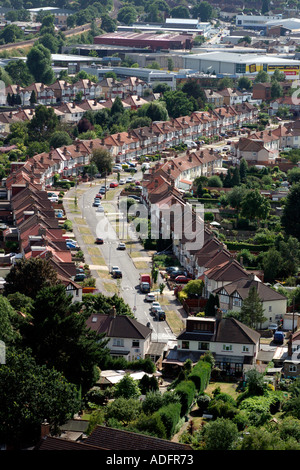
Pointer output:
x,y
150,297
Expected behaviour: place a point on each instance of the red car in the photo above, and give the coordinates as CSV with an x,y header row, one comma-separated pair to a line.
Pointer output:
x,y
99,241
98,196
113,185
182,279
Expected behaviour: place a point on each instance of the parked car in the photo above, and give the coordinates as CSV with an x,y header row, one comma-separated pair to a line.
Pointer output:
x,y
79,277
182,279
99,196
102,190
72,246
114,184
114,268
160,315
122,181
134,196
117,274
121,246
130,179
155,305
150,297
99,241
96,203
100,209
117,168
175,274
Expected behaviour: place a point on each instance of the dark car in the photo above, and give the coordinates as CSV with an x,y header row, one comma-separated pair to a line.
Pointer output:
x,y
80,277
117,274
99,241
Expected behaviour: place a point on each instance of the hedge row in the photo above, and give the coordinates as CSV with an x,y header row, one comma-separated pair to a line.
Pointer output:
x,y
186,391
170,416
247,246
200,375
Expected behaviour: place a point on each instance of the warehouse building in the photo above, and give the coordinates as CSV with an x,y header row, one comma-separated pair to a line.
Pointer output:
x,y
236,65
154,42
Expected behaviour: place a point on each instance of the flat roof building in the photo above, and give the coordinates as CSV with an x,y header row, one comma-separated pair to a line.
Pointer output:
x,y
235,65
257,22
150,41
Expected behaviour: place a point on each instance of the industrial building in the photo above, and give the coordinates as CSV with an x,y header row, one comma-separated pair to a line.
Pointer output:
x,y
236,65
257,22
154,42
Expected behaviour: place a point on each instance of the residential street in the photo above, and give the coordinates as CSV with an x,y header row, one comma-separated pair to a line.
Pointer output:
x,y
89,224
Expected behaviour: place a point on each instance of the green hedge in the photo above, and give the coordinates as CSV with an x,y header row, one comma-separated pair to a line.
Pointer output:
x,y
170,416
186,391
248,246
200,375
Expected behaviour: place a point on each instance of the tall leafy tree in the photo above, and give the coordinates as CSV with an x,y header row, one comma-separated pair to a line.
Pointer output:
x,y
29,276
252,311
291,212
30,394
58,336
255,206
39,64
19,73
43,123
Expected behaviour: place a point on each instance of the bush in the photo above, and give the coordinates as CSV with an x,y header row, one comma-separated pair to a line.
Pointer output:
x,y
186,391
200,375
152,425
203,402
170,415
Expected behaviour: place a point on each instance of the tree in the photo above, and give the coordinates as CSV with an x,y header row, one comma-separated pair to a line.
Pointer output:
x,y
11,34
108,24
103,160
252,311
39,64
192,88
276,90
28,276
47,26
243,170
236,196
156,111
194,287
265,7
221,434
291,212
246,39
278,76
43,123
271,264
127,15
127,388
255,206
8,320
123,409
203,10
262,77
19,73
215,182
180,12
32,98
50,41
30,394
211,305
117,106
178,103
244,83
59,337
59,139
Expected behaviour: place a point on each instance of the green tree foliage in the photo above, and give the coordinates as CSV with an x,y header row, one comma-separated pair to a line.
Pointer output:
x,y
127,388
221,434
108,24
252,312
19,73
31,393
291,212
244,83
58,336
123,409
203,10
103,160
178,103
29,276
59,139
10,34
262,77
43,124
39,64
127,15
180,11
255,206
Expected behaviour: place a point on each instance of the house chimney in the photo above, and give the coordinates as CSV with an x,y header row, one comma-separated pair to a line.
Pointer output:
x,y
113,312
45,429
